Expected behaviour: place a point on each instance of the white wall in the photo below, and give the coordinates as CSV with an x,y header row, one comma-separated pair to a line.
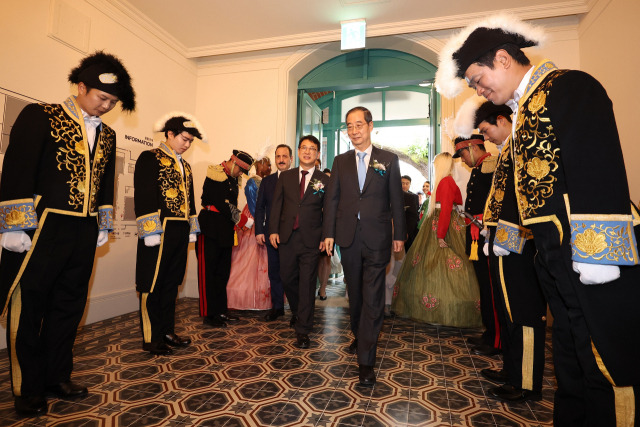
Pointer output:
x,y
609,41
37,66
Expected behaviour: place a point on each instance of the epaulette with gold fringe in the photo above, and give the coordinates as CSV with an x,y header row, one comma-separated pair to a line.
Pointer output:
x,y
489,164
216,173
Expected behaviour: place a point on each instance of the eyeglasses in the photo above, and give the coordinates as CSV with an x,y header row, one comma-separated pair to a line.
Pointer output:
x,y
358,126
308,148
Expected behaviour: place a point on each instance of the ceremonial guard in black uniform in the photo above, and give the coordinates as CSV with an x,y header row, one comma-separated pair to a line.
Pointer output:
x,y
582,222
511,253
167,222
56,206
471,149
218,218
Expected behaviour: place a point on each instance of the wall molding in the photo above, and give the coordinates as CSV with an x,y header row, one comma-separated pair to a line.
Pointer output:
x,y
562,8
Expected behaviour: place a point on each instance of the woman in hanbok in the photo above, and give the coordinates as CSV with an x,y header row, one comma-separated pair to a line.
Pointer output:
x,y
437,283
248,287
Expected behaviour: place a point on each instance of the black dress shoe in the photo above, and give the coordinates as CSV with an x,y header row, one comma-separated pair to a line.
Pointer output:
x,y
485,350
497,376
175,341
475,341
509,393
229,317
292,322
30,406
367,376
67,390
158,348
214,322
353,347
303,341
274,314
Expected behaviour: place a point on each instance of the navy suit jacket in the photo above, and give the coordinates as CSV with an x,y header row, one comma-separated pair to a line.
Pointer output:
x,y
379,203
263,204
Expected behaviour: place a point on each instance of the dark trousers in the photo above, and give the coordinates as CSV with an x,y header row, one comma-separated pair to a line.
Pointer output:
x,y
584,396
47,305
522,316
158,306
364,271
214,267
488,299
299,272
277,288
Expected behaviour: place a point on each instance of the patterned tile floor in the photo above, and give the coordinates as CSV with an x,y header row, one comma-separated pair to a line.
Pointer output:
x,y
250,374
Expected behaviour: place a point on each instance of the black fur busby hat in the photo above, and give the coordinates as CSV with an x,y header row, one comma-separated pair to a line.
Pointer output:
x,y
105,72
473,112
178,121
475,40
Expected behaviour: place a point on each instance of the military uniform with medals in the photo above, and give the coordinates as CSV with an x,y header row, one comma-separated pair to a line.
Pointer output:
x,y
477,191
218,218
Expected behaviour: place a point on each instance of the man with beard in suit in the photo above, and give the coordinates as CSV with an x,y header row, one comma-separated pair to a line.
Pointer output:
x,y
296,231
263,213
364,215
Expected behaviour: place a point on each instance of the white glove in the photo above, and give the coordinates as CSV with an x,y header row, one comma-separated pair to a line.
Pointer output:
x,y
103,237
153,240
249,223
596,274
498,251
193,237
485,249
16,241
484,232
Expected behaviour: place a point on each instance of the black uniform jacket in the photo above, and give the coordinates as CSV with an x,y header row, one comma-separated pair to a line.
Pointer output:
x,y
287,205
565,128
162,194
219,190
48,167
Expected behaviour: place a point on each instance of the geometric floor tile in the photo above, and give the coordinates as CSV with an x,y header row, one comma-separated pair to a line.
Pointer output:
x,y
251,374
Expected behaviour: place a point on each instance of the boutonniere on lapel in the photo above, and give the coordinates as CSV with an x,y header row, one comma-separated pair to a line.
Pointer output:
x,y
381,168
317,186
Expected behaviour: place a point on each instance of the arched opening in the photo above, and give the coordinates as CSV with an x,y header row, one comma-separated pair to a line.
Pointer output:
x,y
396,86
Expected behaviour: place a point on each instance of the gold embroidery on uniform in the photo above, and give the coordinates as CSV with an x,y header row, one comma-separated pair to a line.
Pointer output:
x,y
149,226
15,217
590,242
170,181
538,168
537,102
105,147
502,235
499,195
67,134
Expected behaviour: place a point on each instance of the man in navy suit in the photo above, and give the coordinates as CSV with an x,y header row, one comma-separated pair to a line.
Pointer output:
x,y
263,211
363,209
296,228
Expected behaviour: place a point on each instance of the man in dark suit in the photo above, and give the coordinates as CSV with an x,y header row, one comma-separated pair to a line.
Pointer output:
x,y
411,206
218,218
296,229
363,208
263,212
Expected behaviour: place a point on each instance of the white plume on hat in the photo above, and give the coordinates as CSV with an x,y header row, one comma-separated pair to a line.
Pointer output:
x,y
449,130
265,150
466,116
447,83
159,126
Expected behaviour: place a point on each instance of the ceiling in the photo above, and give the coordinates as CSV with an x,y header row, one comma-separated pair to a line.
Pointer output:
x,y
201,28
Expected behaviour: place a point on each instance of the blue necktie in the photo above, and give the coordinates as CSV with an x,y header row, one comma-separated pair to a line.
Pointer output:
x,y
362,169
